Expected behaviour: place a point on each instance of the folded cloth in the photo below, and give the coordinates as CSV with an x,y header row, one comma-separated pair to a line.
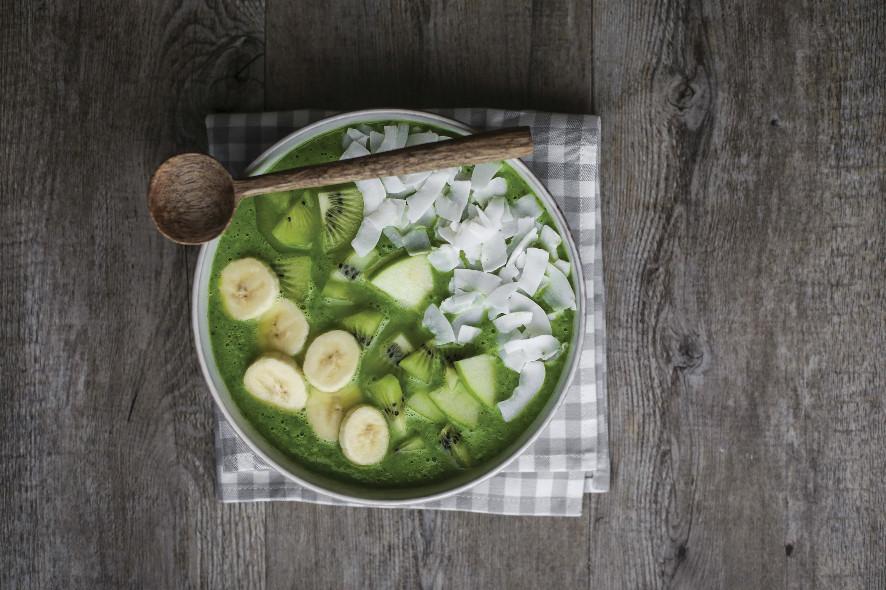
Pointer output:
x,y
571,456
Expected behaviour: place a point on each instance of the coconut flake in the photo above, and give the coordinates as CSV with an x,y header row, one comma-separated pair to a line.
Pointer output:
x,y
444,258
394,235
388,213
498,299
495,210
421,138
494,253
471,316
509,273
373,192
414,180
460,303
540,323
352,135
449,232
468,241
550,240
424,198
416,241
395,137
558,294
520,246
475,230
483,174
375,140
497,186
436,322
521,260
393,184
536,348
466,334
426,220
451,206
533,270
402,135
527,206
474,280
563,266
366,239
511,321
532,377
355,150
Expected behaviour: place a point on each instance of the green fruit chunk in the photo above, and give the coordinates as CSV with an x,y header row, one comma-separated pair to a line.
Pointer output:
x,y
388,395
363,325
342,213
451,441
297,227
421,403
478,375
423,365
337,293
285,219
454,401
408,281
412,444
355,267
397,348
386,392
295,277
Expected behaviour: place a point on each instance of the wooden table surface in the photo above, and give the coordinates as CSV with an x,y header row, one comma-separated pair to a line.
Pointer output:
x,y
744,211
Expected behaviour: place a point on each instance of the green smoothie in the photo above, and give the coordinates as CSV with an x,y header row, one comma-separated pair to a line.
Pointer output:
x,y
386,397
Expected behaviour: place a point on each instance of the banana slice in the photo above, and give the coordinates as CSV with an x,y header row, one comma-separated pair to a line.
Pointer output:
x,y
332,360
326,410
276,379
364,435
283,328
248,288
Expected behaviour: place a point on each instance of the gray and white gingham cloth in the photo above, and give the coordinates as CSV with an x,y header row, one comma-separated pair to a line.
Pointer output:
x,y
571,456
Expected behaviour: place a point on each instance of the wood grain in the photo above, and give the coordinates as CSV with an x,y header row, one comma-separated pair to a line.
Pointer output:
x,y
744,207
106,428
744,221
488,146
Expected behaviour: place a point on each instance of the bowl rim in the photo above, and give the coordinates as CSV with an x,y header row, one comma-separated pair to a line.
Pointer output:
x,y
203,345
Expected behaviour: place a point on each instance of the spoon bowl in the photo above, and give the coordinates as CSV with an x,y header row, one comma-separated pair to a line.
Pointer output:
x,y
191,198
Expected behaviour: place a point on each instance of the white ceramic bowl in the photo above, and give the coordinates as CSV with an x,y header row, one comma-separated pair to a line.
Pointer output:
x,y
352,492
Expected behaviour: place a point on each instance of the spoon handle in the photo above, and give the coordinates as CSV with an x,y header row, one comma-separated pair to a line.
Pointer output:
x,y
502,144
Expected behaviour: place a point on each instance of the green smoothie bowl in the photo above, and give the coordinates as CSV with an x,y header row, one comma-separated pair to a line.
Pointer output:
x,y
396,340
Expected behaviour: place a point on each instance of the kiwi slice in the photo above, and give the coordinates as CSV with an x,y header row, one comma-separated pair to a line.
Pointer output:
x,y
342,214
337,293
295,276
451,441
297,227
423,364
288,220
398,348
422,404
356,267
363,325
386,392
415,443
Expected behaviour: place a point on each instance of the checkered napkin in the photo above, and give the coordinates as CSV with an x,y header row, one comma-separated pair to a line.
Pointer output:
x,y
571,456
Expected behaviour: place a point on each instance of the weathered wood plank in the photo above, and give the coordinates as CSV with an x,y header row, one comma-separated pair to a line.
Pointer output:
x,y
744,230
106,445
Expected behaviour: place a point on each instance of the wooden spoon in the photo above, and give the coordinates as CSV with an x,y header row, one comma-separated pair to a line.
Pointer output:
x,y
192,197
